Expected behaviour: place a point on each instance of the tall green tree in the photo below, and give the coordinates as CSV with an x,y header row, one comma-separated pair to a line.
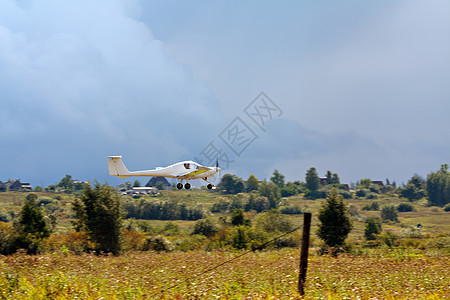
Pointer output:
x,y
414,190
373,228
334,221
278,179
312,181
67,184
332,178
137,183
252,183
232,184
99,214
31,227
272,192
438,186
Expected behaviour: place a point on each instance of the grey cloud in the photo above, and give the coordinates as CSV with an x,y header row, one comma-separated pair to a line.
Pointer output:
x,y
81,80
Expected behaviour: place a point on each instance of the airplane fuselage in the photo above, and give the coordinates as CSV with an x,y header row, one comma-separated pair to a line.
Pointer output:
x,y
185,170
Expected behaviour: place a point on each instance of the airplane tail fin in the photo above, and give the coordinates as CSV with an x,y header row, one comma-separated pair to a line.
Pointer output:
x,y
117,168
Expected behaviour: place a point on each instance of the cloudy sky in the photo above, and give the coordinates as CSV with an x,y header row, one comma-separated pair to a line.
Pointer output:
x,y
360,88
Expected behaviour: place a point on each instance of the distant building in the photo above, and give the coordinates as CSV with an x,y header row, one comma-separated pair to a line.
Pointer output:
x,y
378,182
3,187
26,186
154,180
14,185
144,190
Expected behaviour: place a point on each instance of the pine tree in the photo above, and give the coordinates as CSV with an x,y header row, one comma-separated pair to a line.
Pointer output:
x,y
278,179
312,181
99,214
373,227
31,226
335,223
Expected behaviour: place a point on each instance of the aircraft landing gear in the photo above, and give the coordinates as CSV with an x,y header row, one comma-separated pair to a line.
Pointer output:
x,y
210,185
179,186
187,185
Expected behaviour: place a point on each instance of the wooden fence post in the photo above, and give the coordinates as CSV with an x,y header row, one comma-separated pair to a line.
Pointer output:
x,y
304,253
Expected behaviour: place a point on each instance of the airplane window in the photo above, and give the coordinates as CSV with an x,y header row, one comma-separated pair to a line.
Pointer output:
x,y
187,166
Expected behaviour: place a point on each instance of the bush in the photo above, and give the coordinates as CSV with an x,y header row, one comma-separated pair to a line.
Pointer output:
x,y
273,221
193,242
205,227
7,237
405,207
372,196
447,207
291,210
346,194
361,192
220,206
291,241
389,213
373,228
374,206
4,217
157,243
289,190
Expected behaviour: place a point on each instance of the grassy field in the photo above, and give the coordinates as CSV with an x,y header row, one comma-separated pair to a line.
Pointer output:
x,y
415,272
258,275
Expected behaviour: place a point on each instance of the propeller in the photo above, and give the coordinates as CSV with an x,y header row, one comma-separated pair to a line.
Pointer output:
x,y
218,172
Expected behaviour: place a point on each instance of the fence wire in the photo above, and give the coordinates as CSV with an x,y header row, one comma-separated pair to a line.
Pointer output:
x,y
227,261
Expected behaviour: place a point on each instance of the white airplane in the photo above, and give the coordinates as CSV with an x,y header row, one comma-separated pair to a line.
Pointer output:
x,y
185,170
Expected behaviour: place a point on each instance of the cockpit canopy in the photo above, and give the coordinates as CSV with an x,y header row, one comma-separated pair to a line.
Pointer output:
x,y
191,165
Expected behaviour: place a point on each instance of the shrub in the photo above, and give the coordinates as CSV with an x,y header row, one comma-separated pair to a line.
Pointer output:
x,y
193,242
157,243
405,207
7,237
346,194
132,240
291,210
390,239
389,213
205,227
4,217
291,241
447,207
372,196
221,206
373,206
361,192
273,221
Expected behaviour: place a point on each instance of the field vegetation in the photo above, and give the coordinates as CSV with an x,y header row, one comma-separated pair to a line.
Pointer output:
x,y
395,244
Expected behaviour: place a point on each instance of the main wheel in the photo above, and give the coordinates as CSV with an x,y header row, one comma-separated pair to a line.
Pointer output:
x,y
209,186
179,186
187,186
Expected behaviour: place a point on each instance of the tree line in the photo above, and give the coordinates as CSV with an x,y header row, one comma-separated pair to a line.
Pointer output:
x,y
436,187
